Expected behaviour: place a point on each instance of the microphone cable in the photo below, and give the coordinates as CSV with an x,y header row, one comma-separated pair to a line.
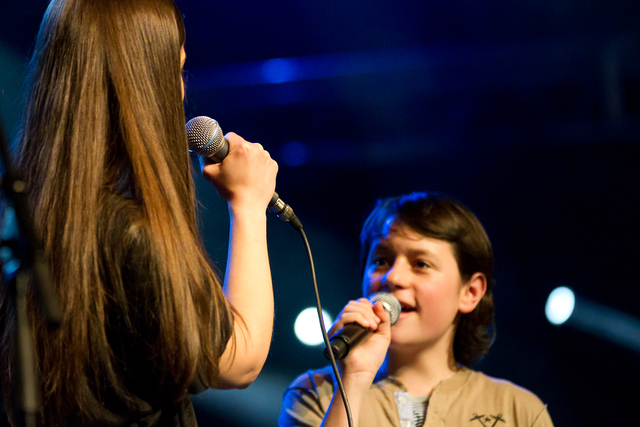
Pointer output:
x,y
207,140
325,337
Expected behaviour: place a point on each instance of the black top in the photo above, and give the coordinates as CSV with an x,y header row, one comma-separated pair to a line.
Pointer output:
x,y
129,268
133,329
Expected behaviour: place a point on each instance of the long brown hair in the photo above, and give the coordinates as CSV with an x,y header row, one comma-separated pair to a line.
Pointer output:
x,y
443,218
105,117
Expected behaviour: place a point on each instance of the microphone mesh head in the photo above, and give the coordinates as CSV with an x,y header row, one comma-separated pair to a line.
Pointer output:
x,y
390,304
205,136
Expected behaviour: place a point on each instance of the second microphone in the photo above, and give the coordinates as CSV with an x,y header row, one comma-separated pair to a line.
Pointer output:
x,y
352,333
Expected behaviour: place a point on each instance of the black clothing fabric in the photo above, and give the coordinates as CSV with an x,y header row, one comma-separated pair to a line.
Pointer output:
x,y
141,392
129,270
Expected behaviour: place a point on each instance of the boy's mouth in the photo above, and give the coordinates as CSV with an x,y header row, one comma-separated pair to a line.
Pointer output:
x,y
406,308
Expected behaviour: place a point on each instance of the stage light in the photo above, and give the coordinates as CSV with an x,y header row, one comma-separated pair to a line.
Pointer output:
x,y
560,305
279,70
565,308
307,327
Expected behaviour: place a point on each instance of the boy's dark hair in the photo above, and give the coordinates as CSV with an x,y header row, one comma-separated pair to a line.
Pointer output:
x,y
442,218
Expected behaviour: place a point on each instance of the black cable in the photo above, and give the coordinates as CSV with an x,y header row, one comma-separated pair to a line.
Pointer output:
x,y
336,372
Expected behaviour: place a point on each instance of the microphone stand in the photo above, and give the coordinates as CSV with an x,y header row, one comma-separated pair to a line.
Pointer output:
x,y
31,258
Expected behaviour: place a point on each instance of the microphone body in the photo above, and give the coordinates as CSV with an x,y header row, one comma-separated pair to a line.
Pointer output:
x,y
206,140
352,333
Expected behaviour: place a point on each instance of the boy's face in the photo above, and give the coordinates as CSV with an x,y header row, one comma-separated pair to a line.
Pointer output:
x,y
422,273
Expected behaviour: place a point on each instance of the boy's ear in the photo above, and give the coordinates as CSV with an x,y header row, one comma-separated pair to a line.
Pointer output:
x,y
472,292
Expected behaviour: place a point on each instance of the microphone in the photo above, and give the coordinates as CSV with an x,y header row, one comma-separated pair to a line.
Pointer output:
x,y
206,140
352,333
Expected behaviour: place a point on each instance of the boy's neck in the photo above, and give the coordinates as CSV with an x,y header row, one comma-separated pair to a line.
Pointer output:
x,y
422,370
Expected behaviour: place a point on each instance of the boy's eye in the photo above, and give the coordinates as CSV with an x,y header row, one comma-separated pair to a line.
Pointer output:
x,y
379,262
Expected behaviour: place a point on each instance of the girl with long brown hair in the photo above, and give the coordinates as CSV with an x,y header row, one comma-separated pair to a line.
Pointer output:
x,y
103,151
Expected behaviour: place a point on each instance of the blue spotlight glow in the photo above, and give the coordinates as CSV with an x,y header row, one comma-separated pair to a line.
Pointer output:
x,y
279,70
295,153
560,305
307,328
282,70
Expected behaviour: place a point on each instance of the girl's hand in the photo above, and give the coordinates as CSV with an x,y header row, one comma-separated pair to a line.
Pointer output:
x,y
246,177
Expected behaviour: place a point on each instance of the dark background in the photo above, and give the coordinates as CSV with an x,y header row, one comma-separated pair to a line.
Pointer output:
x,y
528,112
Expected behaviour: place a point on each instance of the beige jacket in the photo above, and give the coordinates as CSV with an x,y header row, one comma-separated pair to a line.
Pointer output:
x,y
469,398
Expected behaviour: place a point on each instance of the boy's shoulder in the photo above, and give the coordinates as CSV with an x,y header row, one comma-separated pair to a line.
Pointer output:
x,y
499,388
470,394
315,379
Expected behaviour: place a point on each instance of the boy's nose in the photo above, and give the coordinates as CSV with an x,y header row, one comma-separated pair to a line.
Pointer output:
x,y
395,278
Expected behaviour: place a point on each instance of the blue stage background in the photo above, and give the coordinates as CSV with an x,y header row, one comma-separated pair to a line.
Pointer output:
x,y
528,112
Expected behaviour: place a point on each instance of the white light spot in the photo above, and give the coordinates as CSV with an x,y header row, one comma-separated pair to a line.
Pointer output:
x,y
307,326
560,305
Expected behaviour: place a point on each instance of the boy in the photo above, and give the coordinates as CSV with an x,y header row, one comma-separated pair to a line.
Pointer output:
x,y
434,256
